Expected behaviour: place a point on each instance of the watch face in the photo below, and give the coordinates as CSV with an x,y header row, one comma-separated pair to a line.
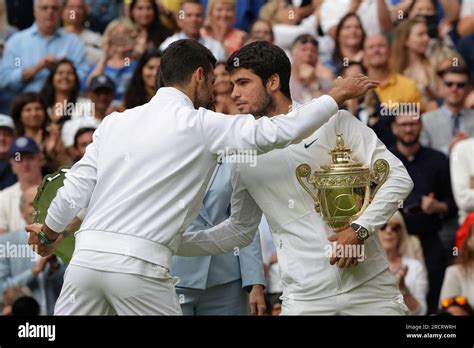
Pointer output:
x,y
363,233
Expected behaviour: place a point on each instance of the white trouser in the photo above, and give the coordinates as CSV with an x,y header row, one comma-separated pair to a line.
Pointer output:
x,y
378,296
90,292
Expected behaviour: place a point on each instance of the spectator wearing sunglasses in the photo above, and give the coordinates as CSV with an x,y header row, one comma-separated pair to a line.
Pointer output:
x,y
457,306
452,122
459,278
406,262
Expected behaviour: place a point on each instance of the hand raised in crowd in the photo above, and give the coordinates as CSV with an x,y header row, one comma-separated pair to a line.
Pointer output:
x,y
351,87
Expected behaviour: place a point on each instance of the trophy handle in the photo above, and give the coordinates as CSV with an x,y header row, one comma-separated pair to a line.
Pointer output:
x,y
304,171
379,175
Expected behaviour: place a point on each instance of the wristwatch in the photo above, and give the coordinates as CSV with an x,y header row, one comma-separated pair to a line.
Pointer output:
x,y
361,232
43,239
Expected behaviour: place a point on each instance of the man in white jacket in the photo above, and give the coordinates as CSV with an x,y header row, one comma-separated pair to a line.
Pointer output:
x,y
312,282
143,178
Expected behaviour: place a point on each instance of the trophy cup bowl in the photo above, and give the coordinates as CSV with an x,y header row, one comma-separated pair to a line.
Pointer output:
x,y
342,190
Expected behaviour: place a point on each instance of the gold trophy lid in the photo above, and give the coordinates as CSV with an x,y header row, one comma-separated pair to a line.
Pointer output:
x,y
341,158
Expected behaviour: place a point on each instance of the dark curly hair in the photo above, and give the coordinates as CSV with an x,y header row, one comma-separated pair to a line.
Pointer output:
x,y
263,59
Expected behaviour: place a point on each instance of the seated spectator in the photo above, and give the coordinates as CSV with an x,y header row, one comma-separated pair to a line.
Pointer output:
x,y
152,32
61,93
102,12
246,11
409,58
431,202
220,25
413,280
118,61
459,278
452,122
26,268
11,295
287,25
7,130
349,39
262,30
394,89
374,14
73,18
101,92
82,139
142,86
306,83
190,21
26,164
223,101
28,48
462,176
31,120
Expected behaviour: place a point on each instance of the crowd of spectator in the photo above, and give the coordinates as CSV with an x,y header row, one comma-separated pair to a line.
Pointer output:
x,y
66,65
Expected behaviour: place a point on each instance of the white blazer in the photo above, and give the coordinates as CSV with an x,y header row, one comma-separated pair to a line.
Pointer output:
x,y
144,176
298,231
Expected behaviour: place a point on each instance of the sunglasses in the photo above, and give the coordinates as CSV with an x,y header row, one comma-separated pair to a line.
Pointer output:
x,y
459,300
393,227
457,84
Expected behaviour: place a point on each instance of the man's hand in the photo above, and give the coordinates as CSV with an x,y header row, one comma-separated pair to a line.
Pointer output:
x,y
257,300
430,205
351,87
343,237
33,239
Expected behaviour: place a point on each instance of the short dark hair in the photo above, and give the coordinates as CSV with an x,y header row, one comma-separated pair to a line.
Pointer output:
x,y
25,306
263,59
455,69
181,59
80,132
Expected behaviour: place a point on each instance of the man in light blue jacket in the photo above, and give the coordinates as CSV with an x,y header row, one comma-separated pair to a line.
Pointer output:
x,y
220,284
21,266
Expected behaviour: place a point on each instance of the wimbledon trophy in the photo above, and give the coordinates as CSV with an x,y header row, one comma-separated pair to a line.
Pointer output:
x,y
342,190
46,193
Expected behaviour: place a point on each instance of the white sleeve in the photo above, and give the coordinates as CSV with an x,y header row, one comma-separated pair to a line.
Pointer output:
x,y
286,34
419,285
331,13
78,187
367,148
244,132
460,157
237,231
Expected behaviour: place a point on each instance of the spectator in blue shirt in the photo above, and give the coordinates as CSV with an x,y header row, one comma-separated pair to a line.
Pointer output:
x,y
29,53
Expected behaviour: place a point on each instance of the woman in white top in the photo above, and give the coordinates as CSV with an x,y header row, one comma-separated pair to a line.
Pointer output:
x,y
405,258
459,278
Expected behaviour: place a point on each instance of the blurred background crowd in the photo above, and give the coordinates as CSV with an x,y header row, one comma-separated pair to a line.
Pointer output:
x,y
65,65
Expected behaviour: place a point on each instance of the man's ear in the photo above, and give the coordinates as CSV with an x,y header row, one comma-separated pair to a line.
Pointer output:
x,y
199,75
273,83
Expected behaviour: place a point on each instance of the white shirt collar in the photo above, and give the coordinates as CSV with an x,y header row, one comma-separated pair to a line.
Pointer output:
x,y
173,93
